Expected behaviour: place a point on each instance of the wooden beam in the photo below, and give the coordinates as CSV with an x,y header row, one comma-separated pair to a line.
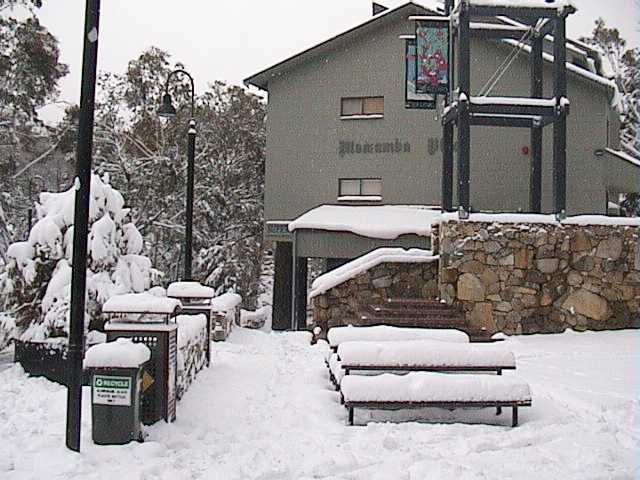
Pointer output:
x,y
451,113
498,33
517,10
537,91
447,167
515,121
464,86
560,123
513,109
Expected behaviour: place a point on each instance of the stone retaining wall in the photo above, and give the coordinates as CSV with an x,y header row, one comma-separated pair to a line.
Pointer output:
x,y
541,278
341,304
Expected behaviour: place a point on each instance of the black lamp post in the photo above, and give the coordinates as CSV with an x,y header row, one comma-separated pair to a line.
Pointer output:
x,y
81,223
167,110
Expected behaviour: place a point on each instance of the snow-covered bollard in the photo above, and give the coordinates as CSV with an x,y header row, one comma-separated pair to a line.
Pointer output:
x,y
116,387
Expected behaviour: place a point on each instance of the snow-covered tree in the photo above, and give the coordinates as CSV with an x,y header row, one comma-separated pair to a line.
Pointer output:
x,y
30,70
624,66
37,279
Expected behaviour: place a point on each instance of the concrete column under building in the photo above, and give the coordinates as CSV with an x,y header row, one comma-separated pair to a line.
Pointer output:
x,y
300,293
282,286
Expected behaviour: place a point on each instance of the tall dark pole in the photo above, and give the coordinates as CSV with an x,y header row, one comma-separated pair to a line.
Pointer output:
x,y
81,222
168,110
188,254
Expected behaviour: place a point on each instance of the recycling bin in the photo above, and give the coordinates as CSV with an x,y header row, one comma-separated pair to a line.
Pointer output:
x,y
116,372
115,405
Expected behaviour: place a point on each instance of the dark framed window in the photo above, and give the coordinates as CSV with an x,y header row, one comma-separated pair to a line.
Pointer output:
x,y
361,106
360,187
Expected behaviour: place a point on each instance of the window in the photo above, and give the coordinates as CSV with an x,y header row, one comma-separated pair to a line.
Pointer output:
x,y
360,189
362,107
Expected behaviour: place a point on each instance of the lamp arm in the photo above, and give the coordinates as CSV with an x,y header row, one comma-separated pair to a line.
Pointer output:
x,y
193,88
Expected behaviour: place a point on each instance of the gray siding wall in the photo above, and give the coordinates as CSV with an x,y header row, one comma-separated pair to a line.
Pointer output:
x,y
304,130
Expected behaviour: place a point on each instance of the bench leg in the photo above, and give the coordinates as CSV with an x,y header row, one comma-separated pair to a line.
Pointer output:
x,y
514,420
350,415
499,409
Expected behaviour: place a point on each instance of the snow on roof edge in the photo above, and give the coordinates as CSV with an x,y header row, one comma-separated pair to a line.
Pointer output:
x,y
549,219
386,222
570,66
623,156
366,262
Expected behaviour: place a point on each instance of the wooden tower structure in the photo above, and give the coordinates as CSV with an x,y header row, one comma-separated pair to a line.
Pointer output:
x,y
464,110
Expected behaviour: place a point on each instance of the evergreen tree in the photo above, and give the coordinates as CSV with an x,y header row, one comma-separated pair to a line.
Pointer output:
x,y
37,280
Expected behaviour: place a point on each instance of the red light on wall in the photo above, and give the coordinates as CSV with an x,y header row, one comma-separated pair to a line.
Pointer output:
x,y
525,150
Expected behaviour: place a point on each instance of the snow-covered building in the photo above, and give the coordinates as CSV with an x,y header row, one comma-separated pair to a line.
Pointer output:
x,y
340,137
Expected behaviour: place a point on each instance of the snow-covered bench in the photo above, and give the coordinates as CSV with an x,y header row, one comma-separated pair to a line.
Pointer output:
x,y
437,390
424,355
386,333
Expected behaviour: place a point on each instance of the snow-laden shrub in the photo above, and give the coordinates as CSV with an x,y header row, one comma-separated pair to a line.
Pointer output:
x,y
37,280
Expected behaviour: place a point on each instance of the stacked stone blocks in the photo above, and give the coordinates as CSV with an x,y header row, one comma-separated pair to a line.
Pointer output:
x,y
541,278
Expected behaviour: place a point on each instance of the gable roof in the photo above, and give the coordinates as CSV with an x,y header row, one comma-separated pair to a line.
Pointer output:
x,y
261,79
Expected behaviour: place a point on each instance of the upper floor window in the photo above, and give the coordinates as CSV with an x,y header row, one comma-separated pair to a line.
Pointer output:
x,y
359,107
367,189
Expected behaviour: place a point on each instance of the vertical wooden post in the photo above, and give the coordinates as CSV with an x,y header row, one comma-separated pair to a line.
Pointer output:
x,y
446,188
535,179
560,122
300,274
464,86
447,167
282,286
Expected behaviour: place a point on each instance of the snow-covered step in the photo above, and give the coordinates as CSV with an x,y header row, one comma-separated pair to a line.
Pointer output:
x,y
439,390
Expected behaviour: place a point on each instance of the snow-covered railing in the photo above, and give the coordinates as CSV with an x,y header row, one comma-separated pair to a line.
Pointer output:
x,y
352,269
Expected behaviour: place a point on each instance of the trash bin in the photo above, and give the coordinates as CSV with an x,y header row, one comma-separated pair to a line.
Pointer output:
x,y
116,382
159,382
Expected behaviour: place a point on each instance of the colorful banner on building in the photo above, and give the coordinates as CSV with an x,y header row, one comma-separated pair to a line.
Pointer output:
x,y
432,62
413,99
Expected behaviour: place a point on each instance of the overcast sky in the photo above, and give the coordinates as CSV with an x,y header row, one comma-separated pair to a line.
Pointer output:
x,y
232,39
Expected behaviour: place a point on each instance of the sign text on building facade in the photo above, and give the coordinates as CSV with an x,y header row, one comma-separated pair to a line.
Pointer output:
x,y
348,147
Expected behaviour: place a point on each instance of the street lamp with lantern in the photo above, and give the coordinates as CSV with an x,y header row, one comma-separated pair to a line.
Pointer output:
x,y
167,110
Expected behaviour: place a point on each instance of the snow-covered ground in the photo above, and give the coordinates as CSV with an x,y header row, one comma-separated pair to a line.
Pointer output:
x,y
265,410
